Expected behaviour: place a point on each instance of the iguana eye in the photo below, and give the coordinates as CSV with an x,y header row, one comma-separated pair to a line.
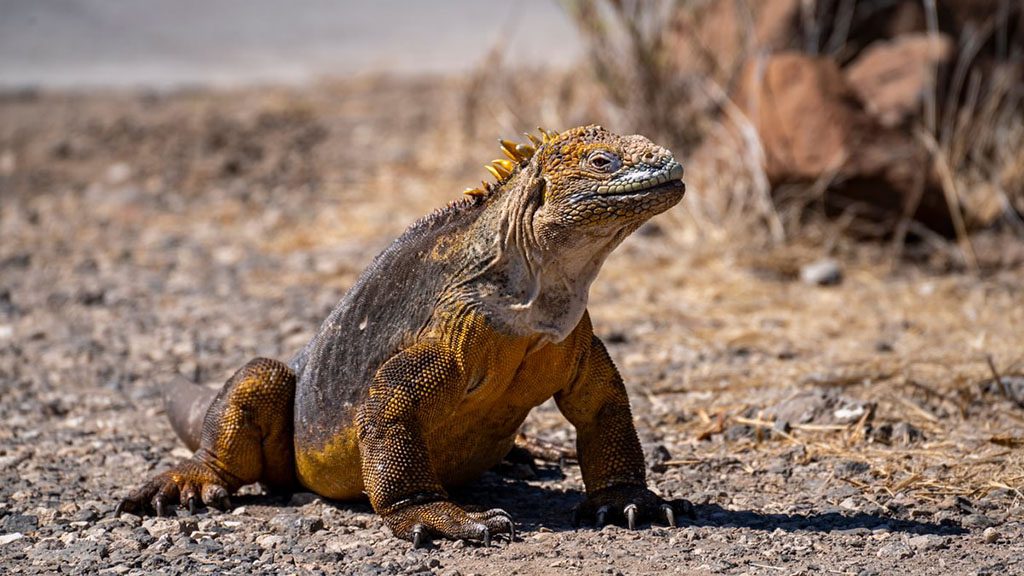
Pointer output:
x,y
604,161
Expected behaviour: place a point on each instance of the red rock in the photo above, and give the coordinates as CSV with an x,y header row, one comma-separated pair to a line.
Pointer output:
x,y
803,111
892,78
813,128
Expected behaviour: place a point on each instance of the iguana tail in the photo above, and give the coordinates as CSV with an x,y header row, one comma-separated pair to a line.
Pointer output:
x,y
186,405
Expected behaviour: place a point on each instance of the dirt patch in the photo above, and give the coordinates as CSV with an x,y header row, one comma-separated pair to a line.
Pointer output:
x,y
851,428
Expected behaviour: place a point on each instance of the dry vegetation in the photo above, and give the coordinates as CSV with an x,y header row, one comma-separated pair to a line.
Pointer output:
x,y
674,69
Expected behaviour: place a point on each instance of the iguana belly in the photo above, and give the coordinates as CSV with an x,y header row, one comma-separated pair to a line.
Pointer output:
x,y
469,444
513,379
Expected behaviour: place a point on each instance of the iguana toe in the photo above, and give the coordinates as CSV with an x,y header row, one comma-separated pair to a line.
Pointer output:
x,y
419,522
631,504
189,484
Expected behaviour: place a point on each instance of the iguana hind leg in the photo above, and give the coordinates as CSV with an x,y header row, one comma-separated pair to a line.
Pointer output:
x,y
246,438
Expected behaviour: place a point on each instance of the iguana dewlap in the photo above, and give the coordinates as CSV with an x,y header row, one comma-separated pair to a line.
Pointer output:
x,y
421,376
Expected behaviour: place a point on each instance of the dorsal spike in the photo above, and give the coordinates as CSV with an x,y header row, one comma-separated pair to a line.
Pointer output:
x,y
549,135
509,149
502,167
512,155
506,164
474,192
533,139
494,171
525,150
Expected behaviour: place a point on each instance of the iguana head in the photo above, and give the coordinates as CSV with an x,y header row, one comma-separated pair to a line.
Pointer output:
x,y
593,180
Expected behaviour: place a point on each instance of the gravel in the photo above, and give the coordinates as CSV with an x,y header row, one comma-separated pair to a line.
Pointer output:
x,y
145,239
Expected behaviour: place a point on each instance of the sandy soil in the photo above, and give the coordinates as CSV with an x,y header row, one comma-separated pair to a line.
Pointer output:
x,y
846,429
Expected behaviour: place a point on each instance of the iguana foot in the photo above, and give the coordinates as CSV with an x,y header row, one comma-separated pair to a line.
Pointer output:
x,y
632,504
420,522
189,484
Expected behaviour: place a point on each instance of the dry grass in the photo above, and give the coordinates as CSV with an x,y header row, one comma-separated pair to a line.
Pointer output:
x,y
913,350
972,122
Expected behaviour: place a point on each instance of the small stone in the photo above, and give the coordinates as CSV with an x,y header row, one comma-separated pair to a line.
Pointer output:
x,y
158,527
990,535
896,550
270,540
118,173
850,468
926,542
302,498
8,538
849,504
978,521
283,522
824,272
310,525
20,523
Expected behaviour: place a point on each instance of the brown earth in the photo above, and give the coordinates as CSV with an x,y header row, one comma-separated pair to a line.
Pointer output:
x,y
848,423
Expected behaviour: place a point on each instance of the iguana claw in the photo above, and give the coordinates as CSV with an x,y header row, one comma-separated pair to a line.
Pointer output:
x,y
630,505
417,535
670,514
630,511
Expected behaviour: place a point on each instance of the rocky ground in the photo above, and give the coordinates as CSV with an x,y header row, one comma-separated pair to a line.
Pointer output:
x,y
840,418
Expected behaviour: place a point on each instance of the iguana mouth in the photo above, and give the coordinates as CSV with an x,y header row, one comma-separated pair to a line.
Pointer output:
x,y
642,181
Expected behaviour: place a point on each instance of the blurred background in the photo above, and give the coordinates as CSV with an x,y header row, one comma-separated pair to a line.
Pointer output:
x,y
104,43
891,120
829,324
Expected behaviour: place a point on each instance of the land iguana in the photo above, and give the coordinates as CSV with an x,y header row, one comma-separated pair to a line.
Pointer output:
x,y
423,373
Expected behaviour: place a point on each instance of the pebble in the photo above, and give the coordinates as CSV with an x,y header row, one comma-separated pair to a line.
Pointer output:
x,y
270,540
849,504
8,538
20,523
926,542
990,535
895,550
158,527
972,521
824,272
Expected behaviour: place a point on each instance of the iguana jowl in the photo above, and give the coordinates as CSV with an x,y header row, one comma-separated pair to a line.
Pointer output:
x,y
422,374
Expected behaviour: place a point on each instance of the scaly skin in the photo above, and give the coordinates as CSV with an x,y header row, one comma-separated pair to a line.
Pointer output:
x,y
423,373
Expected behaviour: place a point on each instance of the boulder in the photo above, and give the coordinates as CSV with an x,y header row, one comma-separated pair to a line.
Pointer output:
x,y
891,78
803,111
813,128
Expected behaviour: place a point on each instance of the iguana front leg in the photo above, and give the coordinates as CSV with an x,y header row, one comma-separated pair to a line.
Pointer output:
x,y
609,450
417,388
